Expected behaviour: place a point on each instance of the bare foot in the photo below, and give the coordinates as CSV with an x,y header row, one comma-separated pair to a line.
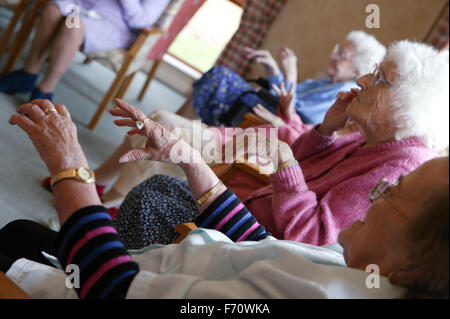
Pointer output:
x,y
288,64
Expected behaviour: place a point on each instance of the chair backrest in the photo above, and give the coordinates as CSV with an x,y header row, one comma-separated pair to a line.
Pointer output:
x,y
173,26
174,18
169,14
114,59
163,23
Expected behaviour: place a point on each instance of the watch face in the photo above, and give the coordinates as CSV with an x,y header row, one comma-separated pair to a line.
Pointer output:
x,y
84,173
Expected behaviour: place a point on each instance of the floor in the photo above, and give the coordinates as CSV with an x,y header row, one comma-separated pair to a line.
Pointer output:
x,y
81,90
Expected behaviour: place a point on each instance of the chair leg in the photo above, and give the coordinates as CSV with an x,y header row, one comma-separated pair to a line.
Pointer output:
x,y
150,77
120,78
125,85
18,12
18,46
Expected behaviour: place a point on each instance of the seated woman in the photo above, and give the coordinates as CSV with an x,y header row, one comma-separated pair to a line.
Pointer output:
x,y
310,99
104,25
215,93
118,179
404,234
400,113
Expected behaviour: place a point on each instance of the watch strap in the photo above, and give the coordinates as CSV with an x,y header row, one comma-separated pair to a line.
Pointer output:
x,y
69,174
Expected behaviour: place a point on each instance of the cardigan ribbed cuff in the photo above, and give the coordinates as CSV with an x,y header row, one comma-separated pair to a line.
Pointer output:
x,y
288,179
319,140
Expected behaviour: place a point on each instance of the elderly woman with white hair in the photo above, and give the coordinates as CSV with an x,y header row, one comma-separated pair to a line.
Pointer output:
x,y
305,103
215,93
320,187
402,236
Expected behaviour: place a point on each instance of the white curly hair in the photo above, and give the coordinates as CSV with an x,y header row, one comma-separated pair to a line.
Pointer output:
x,y
421,93
368,51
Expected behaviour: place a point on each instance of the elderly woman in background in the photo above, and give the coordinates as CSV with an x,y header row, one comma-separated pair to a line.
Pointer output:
x,y
404,233
104,25
310,99
217,90
400,113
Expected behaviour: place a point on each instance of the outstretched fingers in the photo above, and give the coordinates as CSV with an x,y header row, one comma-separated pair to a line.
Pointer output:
x,y
292,90
125,122
32,111
119,112
276,89
130,111
283,89
23,122
133,155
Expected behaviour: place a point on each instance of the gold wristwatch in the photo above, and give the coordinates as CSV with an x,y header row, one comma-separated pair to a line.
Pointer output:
x,y
82,174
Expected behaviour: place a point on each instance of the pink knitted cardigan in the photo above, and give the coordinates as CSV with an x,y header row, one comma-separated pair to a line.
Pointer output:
x,y
314,201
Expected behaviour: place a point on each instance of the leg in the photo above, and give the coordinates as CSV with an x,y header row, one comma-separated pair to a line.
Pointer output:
x,y
111,168
24,81
64,48
50,22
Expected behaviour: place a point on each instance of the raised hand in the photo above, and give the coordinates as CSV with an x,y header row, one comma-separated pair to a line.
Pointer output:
x,y
53,134
286,99
258,147
268,116
336,117
265,58
288,63
162,144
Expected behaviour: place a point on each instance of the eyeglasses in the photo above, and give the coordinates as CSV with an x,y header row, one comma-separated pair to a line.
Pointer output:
x,y
378,76
340,53
382,189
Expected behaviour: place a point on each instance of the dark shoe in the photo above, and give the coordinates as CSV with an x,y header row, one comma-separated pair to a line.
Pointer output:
x,y
18,82
37,94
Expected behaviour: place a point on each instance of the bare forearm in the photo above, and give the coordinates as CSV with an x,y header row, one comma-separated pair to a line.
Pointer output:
x,y
201,179
71,196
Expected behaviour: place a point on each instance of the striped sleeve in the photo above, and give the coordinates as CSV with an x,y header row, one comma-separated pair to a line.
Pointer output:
x,y
89,240
229,216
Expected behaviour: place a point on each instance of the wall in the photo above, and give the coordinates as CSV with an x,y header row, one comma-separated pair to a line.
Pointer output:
x,y
313,27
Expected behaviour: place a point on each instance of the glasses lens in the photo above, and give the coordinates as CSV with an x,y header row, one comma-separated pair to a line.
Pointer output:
x,y
379,190
335,49
375,74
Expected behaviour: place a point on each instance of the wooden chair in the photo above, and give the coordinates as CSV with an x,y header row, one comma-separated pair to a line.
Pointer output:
x,y
126,63
27,13
190,7
226,171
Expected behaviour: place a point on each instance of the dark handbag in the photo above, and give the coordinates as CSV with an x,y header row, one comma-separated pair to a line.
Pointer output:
x,y
235,114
